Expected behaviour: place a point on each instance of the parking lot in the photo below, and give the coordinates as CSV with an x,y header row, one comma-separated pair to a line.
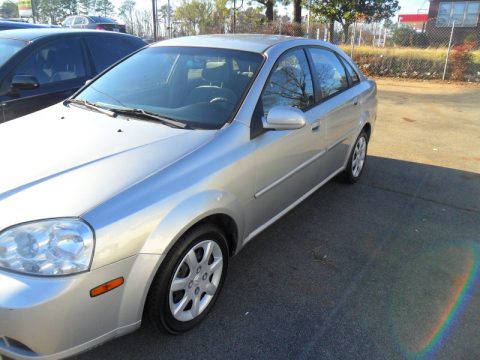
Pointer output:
x,y
385,269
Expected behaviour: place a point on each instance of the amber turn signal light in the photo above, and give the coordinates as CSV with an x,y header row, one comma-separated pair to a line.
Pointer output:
x,y
110,285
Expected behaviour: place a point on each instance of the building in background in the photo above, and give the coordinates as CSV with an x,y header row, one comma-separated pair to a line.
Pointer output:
x,y
442,15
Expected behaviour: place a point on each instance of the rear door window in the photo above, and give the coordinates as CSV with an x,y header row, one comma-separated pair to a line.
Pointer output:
x,y
329,71
106,50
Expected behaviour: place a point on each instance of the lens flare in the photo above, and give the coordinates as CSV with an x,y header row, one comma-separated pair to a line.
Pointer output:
x,y
456,304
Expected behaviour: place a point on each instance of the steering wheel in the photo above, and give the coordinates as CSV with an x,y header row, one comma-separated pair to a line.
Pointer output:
x,y
223,102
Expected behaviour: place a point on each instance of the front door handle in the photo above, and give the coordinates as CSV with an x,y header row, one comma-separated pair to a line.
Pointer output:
x,y
355,101
316,126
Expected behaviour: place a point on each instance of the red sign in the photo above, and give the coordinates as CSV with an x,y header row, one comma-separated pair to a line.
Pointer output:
x,y
413,18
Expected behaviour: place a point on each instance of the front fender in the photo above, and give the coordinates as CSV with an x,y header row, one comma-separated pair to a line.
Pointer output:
x,y
189,212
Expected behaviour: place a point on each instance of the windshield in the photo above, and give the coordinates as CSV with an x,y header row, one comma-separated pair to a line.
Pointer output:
x,y
201,87
8,48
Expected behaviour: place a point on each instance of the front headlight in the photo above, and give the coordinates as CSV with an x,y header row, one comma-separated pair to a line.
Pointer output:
x,y
47,247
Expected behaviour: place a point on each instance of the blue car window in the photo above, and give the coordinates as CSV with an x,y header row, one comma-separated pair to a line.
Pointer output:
x,y
8,47
107,50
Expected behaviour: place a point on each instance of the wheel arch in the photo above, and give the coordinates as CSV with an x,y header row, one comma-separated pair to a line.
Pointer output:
x,y
227,224
368,129
186,215
218,207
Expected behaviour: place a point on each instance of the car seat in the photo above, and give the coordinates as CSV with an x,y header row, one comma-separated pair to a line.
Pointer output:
x,y
215,77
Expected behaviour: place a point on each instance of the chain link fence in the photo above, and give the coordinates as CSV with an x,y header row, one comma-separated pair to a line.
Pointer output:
x,y
430,50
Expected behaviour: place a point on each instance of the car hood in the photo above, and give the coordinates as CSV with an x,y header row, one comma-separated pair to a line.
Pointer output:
x,y
62,161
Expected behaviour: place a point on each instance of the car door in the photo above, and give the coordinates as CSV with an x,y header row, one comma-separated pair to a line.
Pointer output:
x,y
59,68
286,160
339,107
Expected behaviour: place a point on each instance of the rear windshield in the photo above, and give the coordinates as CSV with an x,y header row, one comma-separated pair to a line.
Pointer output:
x,y
8,47
201,87
99,19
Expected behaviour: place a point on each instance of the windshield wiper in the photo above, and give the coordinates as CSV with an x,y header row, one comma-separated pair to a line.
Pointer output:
x,y
149,115
91,106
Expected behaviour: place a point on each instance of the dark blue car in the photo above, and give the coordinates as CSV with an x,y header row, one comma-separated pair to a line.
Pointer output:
x,y
41,67
13,25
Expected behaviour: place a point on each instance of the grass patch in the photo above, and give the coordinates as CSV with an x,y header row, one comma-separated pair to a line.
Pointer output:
x,y
435,54
411,62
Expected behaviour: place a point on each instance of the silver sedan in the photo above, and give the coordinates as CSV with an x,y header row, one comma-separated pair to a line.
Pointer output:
x,y
128,199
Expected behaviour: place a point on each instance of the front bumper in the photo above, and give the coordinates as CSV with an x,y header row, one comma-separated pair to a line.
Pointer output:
x,y
55,317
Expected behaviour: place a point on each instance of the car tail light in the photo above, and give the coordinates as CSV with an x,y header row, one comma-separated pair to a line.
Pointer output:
x,y
100,27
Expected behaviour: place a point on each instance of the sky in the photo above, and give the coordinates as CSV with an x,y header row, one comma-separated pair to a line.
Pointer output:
x,y
408,6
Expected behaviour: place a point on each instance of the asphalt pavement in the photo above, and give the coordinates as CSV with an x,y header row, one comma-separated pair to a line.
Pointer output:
x,y
387,268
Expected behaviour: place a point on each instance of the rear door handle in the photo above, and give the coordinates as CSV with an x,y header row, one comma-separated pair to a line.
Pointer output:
x,y
355,101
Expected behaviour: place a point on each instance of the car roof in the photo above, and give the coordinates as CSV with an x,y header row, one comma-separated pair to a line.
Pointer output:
x,y
34,34
22,25
246,42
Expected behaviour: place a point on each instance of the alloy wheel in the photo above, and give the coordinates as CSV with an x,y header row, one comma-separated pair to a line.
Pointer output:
x,y
196,280
358,158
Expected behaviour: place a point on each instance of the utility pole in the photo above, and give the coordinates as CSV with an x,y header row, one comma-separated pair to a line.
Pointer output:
x,y
234,16
234,25
308,19
154,10
169,25
34,12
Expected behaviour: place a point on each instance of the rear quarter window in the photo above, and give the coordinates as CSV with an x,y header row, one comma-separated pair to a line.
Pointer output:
x,y
68,21
106,50
79,21
351,71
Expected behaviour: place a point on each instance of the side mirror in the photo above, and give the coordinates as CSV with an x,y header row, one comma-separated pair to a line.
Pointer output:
x,y
284,118
24,82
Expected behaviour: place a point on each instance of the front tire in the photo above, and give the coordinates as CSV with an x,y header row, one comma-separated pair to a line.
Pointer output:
x,y
357,159
189,280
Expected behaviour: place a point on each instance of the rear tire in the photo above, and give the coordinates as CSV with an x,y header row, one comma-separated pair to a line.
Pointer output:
x,y
189,280
357,159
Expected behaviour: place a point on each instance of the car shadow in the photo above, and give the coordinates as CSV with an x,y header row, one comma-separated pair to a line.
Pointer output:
x,y
387,268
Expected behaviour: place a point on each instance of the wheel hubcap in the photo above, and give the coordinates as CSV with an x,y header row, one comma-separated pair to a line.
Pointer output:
x,y
196,280
358,158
